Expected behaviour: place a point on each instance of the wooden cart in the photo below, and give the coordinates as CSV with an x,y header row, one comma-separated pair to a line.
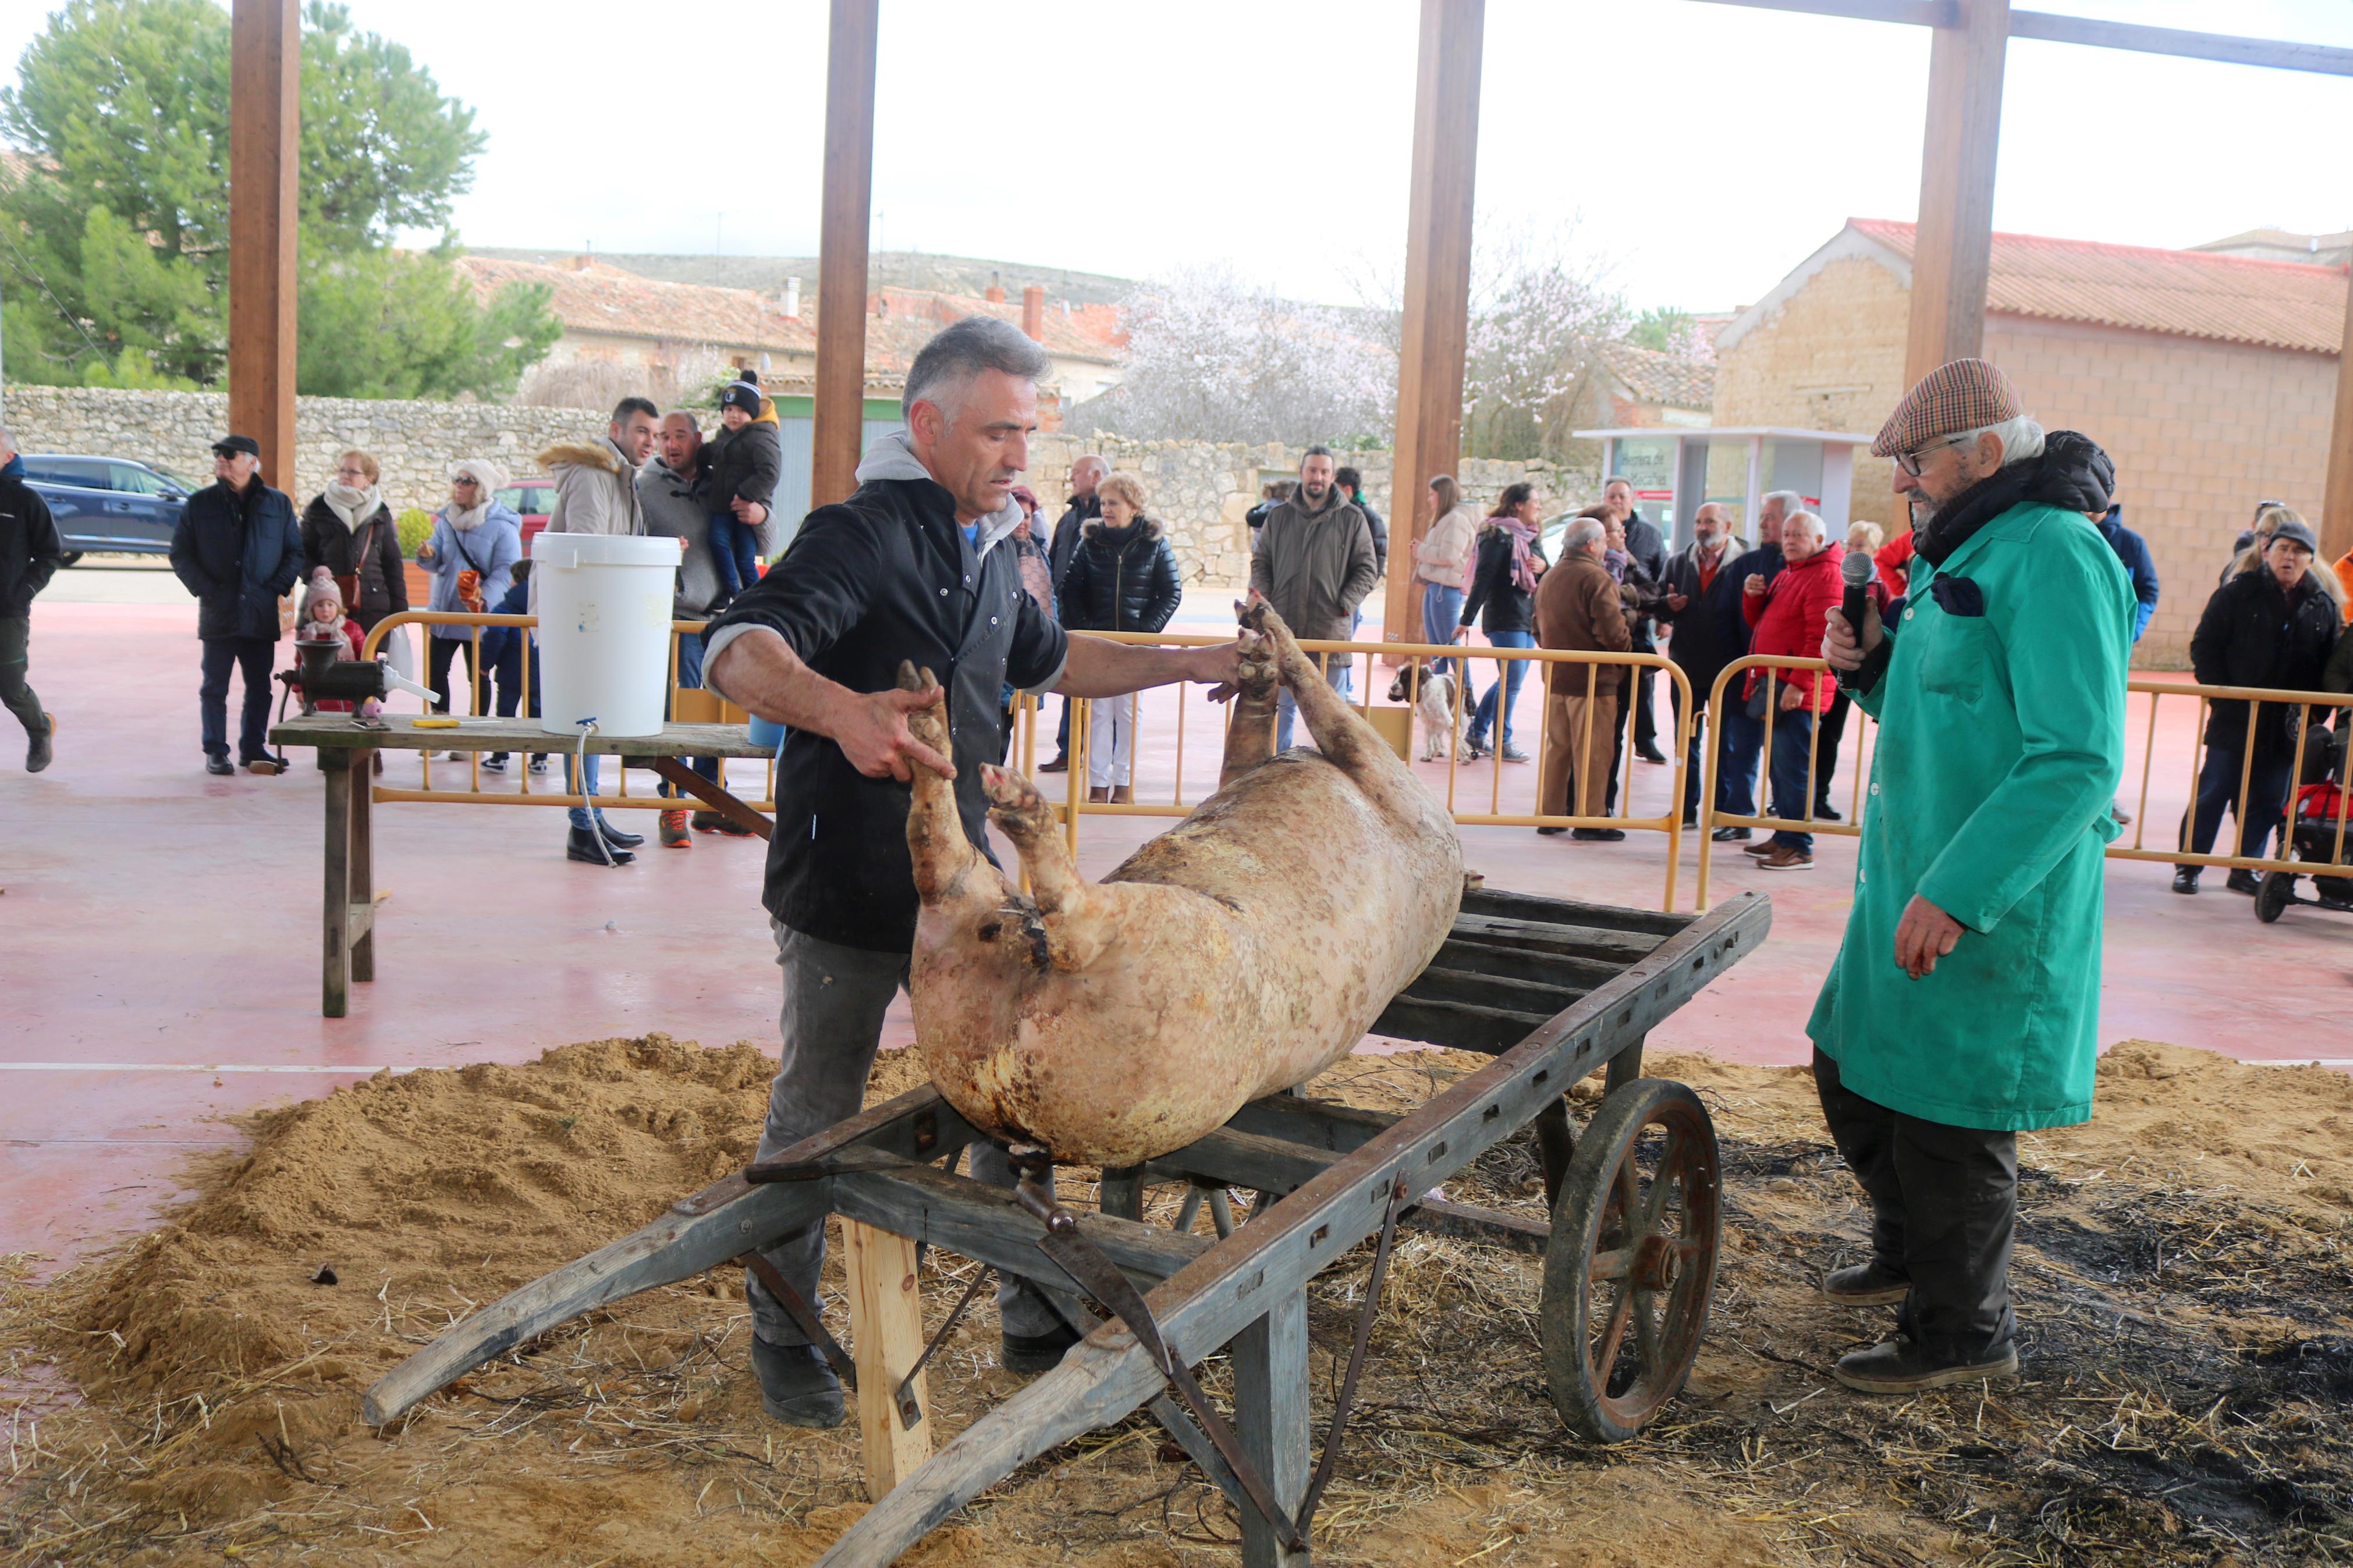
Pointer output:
x,y
1553,990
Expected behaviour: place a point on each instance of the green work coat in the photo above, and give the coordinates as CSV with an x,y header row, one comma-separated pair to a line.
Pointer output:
x,y
2000,749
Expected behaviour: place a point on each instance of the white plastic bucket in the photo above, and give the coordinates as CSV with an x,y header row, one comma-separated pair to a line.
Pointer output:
x,y
603,629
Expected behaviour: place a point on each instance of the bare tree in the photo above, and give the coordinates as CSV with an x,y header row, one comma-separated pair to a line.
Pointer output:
x,y
1213,357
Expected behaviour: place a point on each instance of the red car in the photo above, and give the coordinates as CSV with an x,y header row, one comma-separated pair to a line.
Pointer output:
x,y
531,499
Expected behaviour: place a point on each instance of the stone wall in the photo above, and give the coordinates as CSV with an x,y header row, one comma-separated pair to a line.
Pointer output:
x,y
1201,489
414,442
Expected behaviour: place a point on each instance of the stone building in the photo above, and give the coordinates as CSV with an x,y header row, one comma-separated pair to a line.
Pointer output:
x,y
2209,377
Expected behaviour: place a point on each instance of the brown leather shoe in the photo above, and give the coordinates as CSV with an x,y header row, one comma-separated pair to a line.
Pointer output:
x,y
1122,795
1098,795
1785,858
1760,849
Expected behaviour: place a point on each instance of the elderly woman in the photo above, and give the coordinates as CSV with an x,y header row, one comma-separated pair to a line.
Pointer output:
x,y
348,530
2274,625
1123,578
471,552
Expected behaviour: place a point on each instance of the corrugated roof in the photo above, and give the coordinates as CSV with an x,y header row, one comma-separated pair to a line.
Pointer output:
x,y
2191,293
1671,381
594,297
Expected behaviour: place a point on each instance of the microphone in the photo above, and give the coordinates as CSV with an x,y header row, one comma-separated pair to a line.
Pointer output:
x,y
1860,571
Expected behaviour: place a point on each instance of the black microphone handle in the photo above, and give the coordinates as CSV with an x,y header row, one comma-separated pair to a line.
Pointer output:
x,y
1857,598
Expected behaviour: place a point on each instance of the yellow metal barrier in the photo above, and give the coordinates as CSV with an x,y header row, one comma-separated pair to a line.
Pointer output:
x,y
2255,696
1710,819
1323,651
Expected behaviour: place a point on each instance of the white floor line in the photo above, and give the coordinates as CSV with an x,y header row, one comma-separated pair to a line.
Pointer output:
x,y
186,1067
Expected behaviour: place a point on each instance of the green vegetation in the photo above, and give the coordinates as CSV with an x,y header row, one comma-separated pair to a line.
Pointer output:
x,y
416,526
1661,328
114,231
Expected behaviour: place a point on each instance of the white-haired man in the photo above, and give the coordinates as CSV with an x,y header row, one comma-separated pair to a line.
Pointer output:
x,y
1964,1003
908,568
1742,749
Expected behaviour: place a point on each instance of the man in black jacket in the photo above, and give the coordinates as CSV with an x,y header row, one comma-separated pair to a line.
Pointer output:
x,y
31,553
1742,744
237,549
911,567
2274,625
1086,473
1702,603
1648,547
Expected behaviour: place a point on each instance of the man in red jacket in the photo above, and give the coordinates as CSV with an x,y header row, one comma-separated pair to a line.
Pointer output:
x,y
1788,617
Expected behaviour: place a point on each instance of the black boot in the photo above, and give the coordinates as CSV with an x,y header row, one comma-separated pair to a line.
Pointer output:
x,y
796,1385
585,847
2184,881
616,837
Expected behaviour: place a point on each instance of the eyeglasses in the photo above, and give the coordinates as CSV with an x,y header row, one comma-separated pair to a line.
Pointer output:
x,y
1910,462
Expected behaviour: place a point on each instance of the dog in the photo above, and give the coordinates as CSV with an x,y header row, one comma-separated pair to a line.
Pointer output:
x,y
1435,703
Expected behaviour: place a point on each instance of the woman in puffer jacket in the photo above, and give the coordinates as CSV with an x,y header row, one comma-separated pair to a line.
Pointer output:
x,y
1123,578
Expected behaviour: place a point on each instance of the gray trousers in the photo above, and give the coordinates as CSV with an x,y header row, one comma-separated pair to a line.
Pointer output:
x,y
832,1022
1944,1203
15,635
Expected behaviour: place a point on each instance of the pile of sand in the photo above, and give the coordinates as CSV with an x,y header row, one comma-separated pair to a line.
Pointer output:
x,y
2182,1271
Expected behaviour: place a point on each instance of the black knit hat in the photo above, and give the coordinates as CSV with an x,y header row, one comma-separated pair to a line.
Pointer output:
x,y
742,393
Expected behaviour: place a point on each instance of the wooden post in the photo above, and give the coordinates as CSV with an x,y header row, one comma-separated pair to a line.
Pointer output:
x,y
335,921
841,411
362,861
886,1335
1270,1418
264,139
2337,508
1437,288
1953,250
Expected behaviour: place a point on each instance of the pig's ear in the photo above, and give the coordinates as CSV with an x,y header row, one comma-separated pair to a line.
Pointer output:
x,y
908,680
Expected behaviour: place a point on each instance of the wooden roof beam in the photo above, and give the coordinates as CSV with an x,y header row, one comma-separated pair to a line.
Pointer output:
x,y
2271,53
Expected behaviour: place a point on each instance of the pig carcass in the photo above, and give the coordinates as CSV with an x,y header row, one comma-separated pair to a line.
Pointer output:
x,y
1235,955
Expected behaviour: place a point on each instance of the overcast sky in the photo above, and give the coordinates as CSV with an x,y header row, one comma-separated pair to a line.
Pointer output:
x,y
1709,147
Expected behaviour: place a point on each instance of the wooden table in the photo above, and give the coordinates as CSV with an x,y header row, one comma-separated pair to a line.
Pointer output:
x,y
346,753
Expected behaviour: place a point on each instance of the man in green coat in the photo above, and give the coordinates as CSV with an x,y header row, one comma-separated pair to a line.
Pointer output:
x,y
1964,1004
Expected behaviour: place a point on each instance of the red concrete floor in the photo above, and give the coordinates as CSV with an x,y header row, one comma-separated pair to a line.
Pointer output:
x,y
157,920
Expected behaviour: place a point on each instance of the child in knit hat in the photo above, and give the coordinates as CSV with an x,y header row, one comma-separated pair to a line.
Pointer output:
x,y
746,459
324,620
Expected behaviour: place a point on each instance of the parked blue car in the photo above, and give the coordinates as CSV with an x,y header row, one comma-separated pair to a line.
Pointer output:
x,y
109,505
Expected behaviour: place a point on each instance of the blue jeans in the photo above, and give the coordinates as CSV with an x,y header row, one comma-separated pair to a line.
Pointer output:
x,y
1507,681
736,547
1337,669
2217,791
1742,746
1793,734
690,677
257,656
1441,614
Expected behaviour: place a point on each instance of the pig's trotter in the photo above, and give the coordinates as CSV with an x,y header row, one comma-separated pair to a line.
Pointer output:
x,y
943,857
1250,727
1067,903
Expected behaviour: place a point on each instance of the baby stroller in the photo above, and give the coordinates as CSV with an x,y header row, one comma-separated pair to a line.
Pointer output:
x,y
2317,832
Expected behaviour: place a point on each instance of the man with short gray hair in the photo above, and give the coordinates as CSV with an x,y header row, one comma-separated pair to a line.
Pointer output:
x,y
31,553
910,568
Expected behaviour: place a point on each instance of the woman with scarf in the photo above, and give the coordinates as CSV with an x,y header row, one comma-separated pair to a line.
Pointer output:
x,y
472,552
1504,591
348,530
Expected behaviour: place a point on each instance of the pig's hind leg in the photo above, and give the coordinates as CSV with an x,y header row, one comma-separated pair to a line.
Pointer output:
x,y
1249,728
1072,910
1341,733
949,870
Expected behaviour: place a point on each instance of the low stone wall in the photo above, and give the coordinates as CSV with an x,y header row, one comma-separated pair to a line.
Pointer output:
x,y
414,442
1199,489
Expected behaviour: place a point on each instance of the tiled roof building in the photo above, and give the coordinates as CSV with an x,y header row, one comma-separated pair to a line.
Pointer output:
x,y
2209,375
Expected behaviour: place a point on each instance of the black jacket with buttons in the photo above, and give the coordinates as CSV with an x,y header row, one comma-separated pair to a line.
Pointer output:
x,y
884,576
1121,579
2254,634
237,552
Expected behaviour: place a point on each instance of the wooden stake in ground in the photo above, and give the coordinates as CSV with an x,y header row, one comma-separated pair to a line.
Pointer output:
x,y
886,1333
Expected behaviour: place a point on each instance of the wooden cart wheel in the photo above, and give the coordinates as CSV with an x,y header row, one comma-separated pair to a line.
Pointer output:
x,y
1632,1260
